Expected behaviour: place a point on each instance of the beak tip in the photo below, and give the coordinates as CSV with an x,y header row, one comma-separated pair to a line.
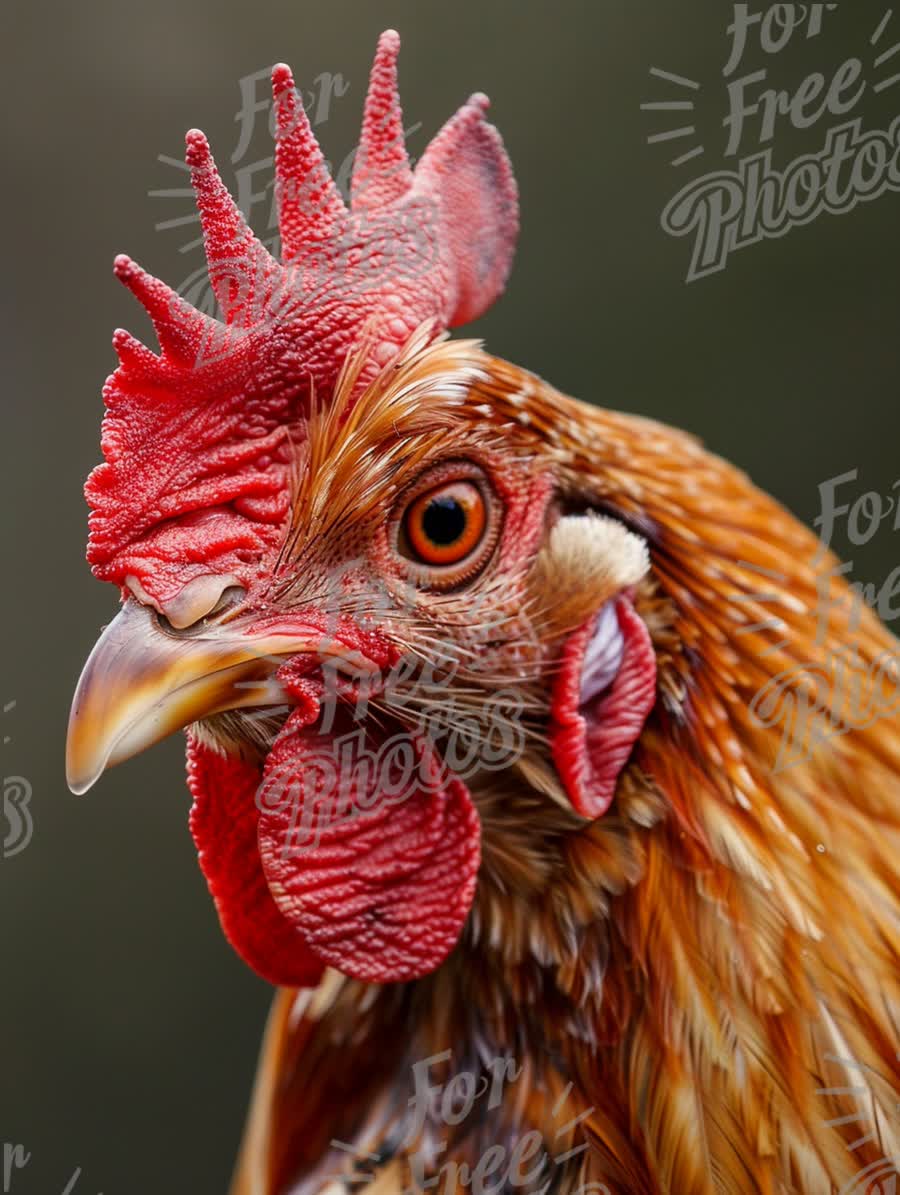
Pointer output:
x,y
78,786
81,770
79,778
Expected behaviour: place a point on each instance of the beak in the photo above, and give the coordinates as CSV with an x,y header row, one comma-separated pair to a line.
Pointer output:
x,y
141,683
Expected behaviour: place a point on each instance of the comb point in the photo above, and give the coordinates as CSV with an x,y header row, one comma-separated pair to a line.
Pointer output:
x,y
240,266
381,173
310,206
282,79
197,153
132,353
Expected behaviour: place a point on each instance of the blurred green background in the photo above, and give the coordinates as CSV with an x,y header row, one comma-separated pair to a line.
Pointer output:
x,y
129,1029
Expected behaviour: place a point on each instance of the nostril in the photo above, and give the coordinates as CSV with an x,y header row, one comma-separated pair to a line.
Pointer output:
x,y
203,597
232,597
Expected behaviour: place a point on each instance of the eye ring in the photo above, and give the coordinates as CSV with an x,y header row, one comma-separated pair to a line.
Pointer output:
x,y
447,525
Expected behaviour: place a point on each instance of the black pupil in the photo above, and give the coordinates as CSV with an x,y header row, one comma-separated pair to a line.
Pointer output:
x,y
444,521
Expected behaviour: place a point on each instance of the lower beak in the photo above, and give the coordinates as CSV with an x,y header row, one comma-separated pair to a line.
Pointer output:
x,y
141,683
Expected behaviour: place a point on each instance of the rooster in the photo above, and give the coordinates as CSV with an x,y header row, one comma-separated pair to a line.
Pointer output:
x,y
529,759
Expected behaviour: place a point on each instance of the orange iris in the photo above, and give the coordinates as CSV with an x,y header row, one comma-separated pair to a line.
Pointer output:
x,y
445,524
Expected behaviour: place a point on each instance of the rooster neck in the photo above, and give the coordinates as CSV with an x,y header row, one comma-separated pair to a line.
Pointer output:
x,y
516,1008
388,1064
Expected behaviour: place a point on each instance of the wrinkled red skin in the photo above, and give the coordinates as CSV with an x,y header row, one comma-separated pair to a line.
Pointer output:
x,y
591,743
381,894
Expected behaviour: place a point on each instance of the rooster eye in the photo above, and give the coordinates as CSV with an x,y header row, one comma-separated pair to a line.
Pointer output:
x,y
446,524
449,529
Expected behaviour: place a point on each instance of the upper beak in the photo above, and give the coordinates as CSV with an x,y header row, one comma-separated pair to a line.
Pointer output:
x,y
140,683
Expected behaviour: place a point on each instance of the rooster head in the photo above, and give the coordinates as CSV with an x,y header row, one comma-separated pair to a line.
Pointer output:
x,y
336,551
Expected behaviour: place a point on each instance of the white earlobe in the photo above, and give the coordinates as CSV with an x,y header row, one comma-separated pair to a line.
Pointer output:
x,y
598,551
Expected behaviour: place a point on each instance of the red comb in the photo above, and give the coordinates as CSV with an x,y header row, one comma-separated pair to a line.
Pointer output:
x,y
201,427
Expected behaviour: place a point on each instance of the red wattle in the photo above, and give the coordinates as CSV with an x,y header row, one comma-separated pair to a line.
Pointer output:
x,y
591,742
223,823
372,856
